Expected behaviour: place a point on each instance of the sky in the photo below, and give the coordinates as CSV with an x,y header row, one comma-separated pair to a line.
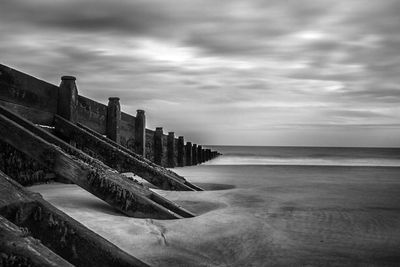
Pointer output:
x,y
255,72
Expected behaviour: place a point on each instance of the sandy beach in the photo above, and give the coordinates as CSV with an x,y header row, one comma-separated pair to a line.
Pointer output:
x,y
268,216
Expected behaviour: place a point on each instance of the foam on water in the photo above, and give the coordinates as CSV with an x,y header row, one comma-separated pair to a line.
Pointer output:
x,y
319,156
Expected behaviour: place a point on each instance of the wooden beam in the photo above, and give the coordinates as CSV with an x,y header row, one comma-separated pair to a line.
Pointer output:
x,y
92,113
120,158
31,114
22,89
194,154
199,155
127,196
113,119
140,133
171,150
57,231
181,151
158,146
153,167
188,153
19,248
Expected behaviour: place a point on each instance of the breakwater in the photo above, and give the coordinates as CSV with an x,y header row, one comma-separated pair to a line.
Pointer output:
x,y
50,132
40,102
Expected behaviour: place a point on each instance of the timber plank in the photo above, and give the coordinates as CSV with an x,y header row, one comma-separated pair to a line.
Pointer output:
x,y
20,88
34,115
129,197
127,130
121,158
19,248
92,114
56,230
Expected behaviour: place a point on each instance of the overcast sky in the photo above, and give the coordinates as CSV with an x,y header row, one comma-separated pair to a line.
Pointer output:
x,y
257,72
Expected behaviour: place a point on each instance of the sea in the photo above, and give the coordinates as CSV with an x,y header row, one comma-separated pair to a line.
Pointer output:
x,y
296,155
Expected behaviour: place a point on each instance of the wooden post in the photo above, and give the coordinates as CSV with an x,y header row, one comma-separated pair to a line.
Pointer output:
x,y
113,119
199,159
188,154
181,151
194,154
68,99
158,146
127,196
208,154
140,133
171,150
120,158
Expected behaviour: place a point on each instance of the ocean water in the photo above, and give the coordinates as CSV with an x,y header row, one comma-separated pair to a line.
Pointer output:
x,y
263,206
321,156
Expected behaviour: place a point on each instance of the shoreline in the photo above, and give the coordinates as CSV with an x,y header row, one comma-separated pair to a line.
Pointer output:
x,y
289,216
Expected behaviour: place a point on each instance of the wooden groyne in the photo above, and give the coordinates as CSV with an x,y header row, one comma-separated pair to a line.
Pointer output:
x,y
120,158
128,196
38,101
85,157
50,132
131,147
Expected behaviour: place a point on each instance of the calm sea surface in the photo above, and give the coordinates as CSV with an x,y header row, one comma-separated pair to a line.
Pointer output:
x,y
331,156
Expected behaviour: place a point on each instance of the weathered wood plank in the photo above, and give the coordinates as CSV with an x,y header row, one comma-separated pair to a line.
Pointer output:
x,y
164,158
22,89
149,144
180,144
34,115
19,248
113,125
127,196
188,154
56,230
171,149
22,168
140,133
127,130
119,158
92,114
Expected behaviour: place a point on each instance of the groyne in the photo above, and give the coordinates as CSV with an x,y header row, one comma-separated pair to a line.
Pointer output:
x,y
50,132
39,101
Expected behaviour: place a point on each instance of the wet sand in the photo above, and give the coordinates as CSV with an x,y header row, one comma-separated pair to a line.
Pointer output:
x,y
259,216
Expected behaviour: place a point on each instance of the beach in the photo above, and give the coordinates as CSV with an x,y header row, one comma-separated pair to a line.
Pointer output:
x,y
258,215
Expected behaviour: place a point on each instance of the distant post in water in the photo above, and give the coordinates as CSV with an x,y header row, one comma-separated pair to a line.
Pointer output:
x,y
208,153
158,145
188,153
140,133
181,151
68,99
113,119
199,159
171,150
194,154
